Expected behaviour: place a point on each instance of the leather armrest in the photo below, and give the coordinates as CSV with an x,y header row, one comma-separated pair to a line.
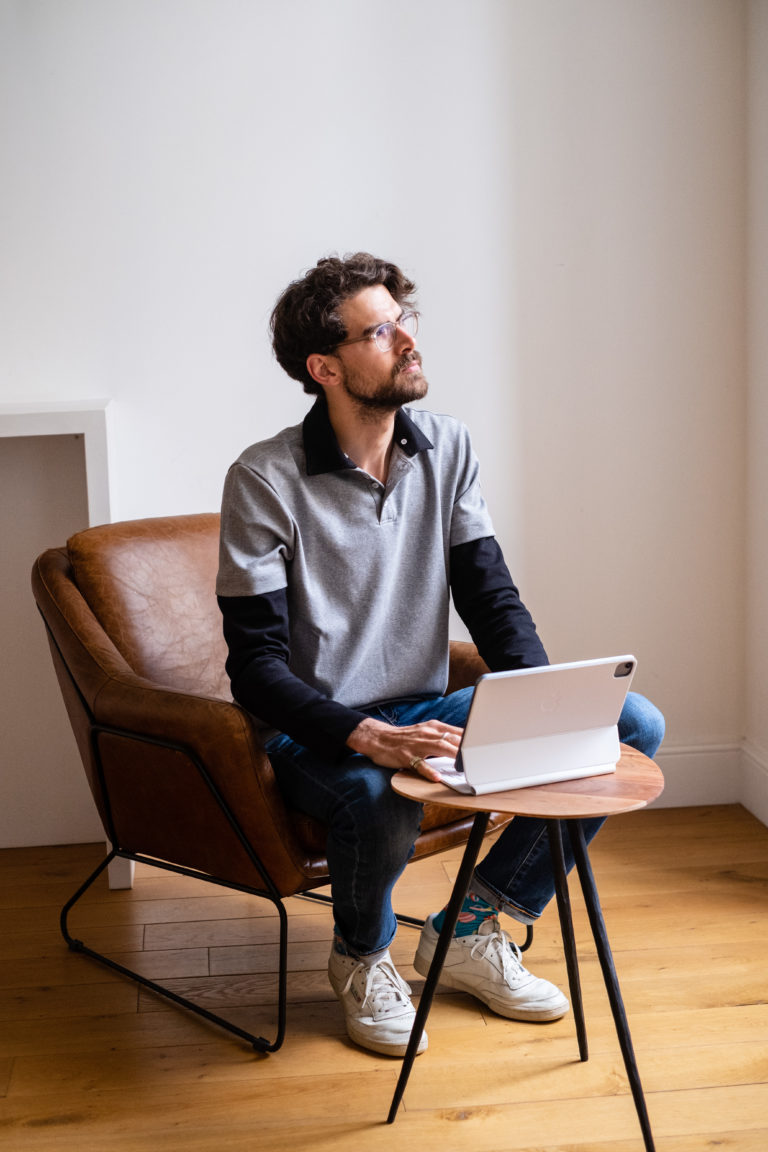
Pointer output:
x,y
466,665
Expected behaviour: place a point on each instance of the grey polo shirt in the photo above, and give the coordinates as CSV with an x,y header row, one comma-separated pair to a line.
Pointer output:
x,y
365,566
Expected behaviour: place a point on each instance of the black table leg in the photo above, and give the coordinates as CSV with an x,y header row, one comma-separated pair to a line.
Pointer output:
x,y
555,834
605,956
460,889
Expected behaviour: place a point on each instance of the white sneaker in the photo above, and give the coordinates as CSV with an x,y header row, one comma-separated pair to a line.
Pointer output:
x,y
376,1002
489,967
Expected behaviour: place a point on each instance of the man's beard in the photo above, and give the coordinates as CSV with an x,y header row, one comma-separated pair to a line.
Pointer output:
x,y
401,388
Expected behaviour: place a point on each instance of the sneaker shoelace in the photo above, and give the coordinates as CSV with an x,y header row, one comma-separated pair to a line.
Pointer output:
x,y
385,990
499,944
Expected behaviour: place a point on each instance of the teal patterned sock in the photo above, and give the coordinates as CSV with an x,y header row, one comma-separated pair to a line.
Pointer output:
x,y
473,912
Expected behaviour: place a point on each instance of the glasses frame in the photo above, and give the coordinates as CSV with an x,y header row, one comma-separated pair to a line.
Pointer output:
x,y
406,317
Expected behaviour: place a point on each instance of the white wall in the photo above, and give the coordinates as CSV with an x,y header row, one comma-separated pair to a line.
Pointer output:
x,y
629,160
564,178
43,789
756,758
177,162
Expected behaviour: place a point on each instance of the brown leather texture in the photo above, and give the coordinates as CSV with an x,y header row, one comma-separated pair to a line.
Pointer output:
x,y
136,639
151,585
466,665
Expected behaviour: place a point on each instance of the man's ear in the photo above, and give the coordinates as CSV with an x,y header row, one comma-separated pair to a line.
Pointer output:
x,y
322,369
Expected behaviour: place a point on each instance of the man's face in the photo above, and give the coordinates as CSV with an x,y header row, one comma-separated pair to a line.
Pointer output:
x,y
372,378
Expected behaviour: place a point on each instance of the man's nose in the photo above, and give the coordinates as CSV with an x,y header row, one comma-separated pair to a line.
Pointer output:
x,y
404,341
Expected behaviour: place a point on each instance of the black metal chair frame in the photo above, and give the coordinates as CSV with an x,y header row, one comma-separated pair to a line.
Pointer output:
x,y
268,892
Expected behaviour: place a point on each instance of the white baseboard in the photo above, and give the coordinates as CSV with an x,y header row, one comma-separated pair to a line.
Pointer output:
x,y
754,780
715,774
702,774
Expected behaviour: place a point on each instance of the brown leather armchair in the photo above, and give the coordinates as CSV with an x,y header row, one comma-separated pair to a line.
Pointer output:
x,y
177,770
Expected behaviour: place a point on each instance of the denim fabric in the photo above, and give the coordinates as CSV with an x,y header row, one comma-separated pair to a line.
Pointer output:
x,y
372,830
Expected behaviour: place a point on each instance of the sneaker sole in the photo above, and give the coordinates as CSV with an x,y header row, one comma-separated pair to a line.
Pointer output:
x,y
363,1040
501,1007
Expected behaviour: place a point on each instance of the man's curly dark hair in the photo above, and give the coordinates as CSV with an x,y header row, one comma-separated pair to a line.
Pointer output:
x,y
305,318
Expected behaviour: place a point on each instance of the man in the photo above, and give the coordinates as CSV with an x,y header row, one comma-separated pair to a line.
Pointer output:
x,y
342,541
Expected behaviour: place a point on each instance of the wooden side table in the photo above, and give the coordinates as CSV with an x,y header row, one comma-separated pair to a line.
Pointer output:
x,y
635,783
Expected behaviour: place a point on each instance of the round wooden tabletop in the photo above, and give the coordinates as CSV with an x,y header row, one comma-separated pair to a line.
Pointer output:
x,y
636,782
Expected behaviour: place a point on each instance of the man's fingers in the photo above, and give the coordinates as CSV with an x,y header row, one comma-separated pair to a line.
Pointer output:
x,y
426,770
395,747
451,738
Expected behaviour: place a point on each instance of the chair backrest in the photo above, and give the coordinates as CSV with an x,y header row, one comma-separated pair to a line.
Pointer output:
x,y
162,746
150,584
137,644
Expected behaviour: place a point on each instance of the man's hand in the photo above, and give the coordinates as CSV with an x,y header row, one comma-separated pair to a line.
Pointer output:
x,y
394,747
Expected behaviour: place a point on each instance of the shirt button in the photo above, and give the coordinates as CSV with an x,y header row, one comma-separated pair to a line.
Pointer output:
x,y
404,441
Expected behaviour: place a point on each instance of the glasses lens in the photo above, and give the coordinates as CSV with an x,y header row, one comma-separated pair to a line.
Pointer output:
x,y
385,336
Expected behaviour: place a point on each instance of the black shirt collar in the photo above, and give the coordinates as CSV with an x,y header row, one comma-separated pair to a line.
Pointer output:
x,y
322,449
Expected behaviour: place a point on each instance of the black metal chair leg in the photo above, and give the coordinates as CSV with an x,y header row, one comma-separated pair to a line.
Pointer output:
x,y
528,938
259,1043
555,835
460,888
605,956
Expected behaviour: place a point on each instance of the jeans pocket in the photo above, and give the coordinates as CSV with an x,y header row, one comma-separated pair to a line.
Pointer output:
x,y
388,715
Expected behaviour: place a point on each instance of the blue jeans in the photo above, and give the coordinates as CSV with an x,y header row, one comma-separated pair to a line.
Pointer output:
x,y
372,830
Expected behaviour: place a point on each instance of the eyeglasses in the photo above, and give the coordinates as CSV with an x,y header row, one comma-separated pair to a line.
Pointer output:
x,y
384,336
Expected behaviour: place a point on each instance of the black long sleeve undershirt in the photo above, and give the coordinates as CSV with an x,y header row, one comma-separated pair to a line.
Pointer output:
x,y
257,634
488,602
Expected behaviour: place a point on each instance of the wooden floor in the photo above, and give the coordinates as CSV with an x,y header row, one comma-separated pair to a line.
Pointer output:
x,y
89,1063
